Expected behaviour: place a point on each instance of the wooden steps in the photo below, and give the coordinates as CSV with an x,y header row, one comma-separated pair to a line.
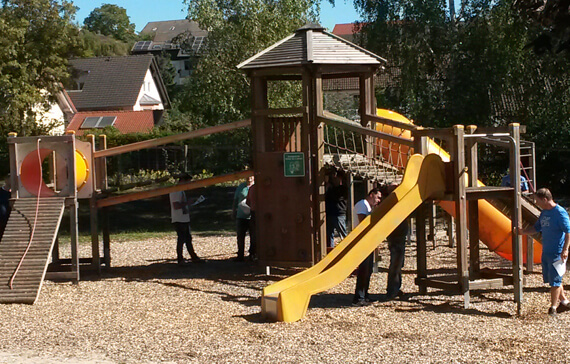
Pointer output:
x,y
28,281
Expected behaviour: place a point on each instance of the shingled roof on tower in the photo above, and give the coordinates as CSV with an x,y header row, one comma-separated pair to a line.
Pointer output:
x,y
311,44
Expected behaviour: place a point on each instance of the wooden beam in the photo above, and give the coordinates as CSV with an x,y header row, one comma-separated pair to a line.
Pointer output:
x,y
171,139
284,111
115,200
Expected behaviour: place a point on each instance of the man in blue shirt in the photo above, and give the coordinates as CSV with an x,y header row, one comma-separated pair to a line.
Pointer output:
x,y
554,225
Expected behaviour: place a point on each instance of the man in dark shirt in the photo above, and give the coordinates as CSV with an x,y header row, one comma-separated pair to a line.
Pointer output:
x,y
336,197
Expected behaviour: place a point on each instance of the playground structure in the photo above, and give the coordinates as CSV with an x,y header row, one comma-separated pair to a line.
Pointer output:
x,y
291,147
387,141
48,175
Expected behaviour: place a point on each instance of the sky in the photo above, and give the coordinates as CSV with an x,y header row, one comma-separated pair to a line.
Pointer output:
x,y
143,11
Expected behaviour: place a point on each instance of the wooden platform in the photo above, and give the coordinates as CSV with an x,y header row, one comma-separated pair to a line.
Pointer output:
x,y
28,281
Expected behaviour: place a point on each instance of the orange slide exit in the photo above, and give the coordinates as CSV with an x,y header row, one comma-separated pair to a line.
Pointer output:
x,y
494,226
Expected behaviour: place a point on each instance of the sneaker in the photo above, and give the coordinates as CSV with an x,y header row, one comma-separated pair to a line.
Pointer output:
x,y
563,307
403,296
552,311
197,260
362,302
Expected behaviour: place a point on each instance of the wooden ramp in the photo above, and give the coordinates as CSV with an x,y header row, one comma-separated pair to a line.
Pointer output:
x,y
28,281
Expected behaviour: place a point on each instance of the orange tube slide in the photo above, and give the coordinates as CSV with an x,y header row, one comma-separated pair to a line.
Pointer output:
x,y
494,227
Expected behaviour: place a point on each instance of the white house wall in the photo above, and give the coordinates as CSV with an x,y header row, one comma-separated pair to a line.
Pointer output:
x,y
149,88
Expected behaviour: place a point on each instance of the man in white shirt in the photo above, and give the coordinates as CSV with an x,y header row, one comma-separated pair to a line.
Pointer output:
x,y
180,215
364,208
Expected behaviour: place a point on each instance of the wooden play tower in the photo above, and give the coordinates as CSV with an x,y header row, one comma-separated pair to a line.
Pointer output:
x,y
288,146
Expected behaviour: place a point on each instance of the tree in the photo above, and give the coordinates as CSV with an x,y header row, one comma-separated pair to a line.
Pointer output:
x,y
553,16
112,20
37,39
218,92
99,45
477,70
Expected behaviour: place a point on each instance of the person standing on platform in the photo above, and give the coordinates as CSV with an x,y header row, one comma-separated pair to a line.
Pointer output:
x,y
554,225
362,209
180,216
242,214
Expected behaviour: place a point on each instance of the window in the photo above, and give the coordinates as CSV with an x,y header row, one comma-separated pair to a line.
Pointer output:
x,y
92,122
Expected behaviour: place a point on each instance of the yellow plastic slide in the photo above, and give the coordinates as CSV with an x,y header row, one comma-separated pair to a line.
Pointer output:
x,y
494,226
287,300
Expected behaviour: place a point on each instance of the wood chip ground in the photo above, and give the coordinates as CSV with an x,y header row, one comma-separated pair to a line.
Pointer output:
x,y
146,309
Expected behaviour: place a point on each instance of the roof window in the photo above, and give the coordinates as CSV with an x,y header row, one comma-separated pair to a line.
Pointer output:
x,y
93,122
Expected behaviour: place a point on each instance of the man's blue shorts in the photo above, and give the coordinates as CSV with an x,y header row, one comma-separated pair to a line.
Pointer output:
x,y
549,274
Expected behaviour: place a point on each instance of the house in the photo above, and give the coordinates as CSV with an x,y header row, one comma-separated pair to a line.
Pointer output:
x,y
180,39
347,31
125,92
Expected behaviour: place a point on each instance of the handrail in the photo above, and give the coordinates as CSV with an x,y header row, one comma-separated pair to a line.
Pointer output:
x,y
397,124
362,130
115,200
170,139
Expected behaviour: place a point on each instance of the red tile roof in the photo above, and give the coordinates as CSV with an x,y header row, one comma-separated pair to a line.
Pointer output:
x,y
126,122
344,29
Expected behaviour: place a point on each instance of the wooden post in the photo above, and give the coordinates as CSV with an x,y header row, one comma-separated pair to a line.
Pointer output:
x,y
461,211
14,167
103,185
420,146
366,89
431,222
450,220
421,246
473,170
529,254
71,202
317,156
516,219
96,259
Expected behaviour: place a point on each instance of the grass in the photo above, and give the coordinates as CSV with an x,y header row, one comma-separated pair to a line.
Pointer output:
x,y
150,218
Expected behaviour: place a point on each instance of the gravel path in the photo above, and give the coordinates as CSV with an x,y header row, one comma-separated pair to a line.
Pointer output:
x,y
146,309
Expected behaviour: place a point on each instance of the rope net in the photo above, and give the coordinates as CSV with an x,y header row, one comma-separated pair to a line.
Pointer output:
x,y
365,156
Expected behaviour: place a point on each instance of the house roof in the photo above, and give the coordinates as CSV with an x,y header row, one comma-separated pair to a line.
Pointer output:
x,y
164,31
125,122
311,44
345,29
114,83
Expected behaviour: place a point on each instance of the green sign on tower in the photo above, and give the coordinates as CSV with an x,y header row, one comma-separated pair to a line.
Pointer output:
x,y
294,164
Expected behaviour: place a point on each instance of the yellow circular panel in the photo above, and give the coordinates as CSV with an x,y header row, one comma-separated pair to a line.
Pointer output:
x,y
81,170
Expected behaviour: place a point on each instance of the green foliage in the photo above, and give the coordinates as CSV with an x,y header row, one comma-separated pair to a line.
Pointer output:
x,y
112,20
218,92
553,19
37,39
98,45
478,70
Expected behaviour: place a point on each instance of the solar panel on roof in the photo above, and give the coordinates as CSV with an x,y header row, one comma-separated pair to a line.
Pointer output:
x,y
197,44
142,46
92,122
107,121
